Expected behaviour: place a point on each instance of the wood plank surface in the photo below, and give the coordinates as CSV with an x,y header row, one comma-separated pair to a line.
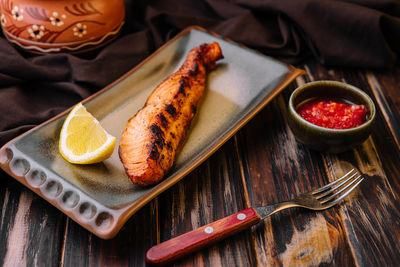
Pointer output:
x,y
128,248
31,230
278,169
212,191
262,164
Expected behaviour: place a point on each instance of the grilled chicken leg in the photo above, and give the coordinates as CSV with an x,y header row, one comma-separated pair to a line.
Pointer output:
x,y
153,136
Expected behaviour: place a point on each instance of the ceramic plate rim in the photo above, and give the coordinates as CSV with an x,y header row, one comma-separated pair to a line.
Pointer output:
x,y
123,214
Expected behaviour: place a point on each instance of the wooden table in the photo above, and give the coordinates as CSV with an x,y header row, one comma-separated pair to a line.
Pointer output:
x,y
262,164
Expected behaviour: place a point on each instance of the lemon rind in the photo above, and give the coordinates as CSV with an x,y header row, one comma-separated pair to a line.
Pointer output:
x,y
87,157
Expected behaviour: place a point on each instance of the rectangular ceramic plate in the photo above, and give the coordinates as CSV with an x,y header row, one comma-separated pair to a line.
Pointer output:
x,y
100,197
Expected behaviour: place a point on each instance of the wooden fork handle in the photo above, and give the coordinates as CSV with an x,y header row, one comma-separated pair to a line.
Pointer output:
x,y
189,242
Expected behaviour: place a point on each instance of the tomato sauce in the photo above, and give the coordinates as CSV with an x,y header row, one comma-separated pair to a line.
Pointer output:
x,y
334,114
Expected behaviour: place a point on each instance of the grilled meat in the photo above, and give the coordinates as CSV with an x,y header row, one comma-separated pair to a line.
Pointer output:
x,y
153,136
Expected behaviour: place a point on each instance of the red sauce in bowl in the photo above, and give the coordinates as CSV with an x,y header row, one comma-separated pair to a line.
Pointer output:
x,y
334,114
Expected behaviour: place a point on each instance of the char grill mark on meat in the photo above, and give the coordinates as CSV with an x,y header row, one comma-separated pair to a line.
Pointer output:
x,y
153,136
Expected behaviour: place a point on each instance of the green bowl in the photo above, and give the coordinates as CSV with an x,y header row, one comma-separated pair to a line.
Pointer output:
x,y
326,139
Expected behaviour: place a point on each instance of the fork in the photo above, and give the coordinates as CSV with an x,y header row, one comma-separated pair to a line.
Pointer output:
x,y
319,199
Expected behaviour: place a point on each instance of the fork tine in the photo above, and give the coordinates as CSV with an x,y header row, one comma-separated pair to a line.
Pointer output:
x,y
323,188
337,186
335,201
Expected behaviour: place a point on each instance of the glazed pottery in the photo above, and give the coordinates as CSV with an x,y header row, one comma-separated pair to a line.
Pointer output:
x,y
100,197
47,26
326,139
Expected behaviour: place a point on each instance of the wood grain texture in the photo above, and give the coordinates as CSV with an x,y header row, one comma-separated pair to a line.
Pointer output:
x,y
30,228
262,164
278,169
128,248
211,192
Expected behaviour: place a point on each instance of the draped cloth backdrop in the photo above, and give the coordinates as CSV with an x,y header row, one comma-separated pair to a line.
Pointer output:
x,y
345,33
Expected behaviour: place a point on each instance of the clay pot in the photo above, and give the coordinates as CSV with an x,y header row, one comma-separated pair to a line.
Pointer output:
x,y
48,26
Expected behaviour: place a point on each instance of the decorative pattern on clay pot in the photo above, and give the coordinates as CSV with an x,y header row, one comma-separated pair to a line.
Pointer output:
x,y
47,26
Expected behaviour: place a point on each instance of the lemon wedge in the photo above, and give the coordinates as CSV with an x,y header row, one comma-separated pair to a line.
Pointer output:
x,y
83,140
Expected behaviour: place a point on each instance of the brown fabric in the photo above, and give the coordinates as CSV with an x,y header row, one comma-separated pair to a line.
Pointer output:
x,y
352,33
